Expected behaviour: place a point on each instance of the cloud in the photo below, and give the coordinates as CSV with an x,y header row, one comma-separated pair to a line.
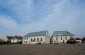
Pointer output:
x,y
30,15
8,25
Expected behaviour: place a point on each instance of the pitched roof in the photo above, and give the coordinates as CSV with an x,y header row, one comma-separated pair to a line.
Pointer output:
x,y
62,33
17,37
9,37
40,33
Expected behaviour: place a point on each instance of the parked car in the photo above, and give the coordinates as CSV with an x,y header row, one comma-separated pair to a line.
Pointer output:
x,y
71,41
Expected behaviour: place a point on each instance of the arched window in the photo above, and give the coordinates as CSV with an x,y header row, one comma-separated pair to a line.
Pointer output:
x,y
61,38
41,39
56,38
32,39
66,38
37,39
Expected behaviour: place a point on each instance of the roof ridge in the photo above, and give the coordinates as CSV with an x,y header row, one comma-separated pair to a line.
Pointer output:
x,y
39,33
61,33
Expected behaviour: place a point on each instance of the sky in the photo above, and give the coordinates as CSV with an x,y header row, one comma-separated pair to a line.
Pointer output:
x,y
19,17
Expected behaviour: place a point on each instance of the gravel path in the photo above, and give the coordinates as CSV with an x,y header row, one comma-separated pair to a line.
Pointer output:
x,y
43,49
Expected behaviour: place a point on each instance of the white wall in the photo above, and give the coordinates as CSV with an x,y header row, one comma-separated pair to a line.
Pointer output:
x,y
45,39
24,40
13,40
58,40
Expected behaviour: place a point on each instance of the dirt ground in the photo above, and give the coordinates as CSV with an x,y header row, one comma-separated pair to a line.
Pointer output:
x,y
43,49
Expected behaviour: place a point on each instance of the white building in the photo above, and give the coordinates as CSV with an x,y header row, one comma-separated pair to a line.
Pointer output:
x,y
36,38
61,36
15,39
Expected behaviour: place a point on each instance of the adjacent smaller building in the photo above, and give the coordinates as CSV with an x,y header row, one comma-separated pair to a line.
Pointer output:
x,y
16,39
61,36
13,39
40,37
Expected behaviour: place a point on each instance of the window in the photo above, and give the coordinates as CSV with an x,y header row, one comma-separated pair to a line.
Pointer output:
x,y
26,41
61,38
41,39
37,39
56,38
32,39
71,37
66,38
